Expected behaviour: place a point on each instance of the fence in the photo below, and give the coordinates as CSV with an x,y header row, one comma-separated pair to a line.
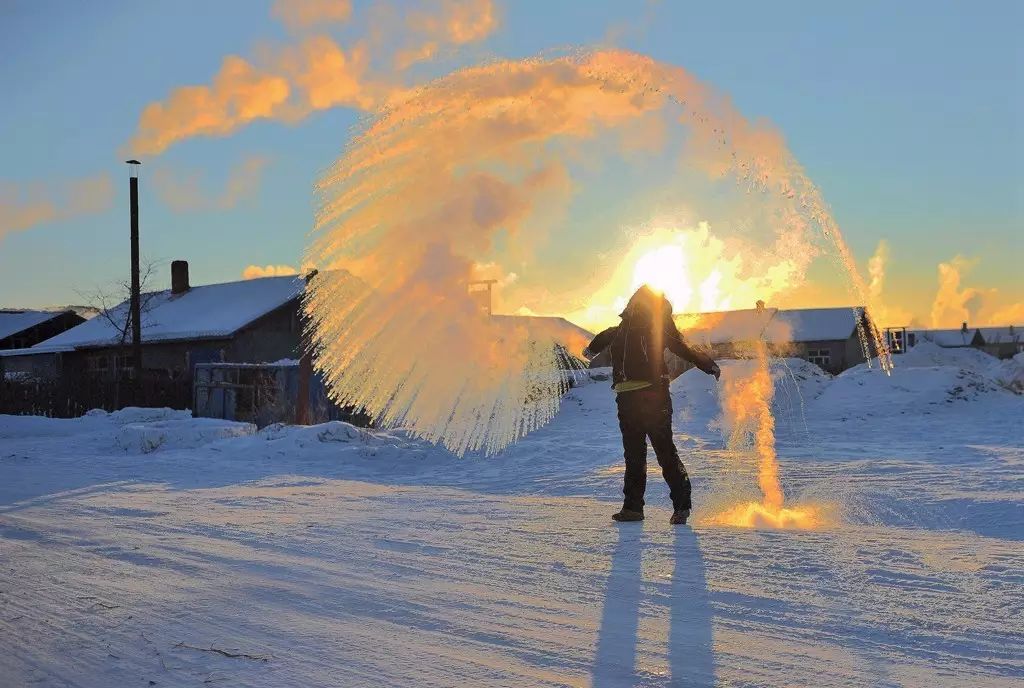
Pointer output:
x,y
70,398
263,393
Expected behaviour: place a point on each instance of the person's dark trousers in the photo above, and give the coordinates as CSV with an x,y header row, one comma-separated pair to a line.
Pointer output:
x,y
648,413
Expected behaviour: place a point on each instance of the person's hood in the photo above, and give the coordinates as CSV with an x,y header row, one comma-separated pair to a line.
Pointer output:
x,y
646,302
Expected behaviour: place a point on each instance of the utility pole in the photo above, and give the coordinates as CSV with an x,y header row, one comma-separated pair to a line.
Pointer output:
x,y
136,297
305,362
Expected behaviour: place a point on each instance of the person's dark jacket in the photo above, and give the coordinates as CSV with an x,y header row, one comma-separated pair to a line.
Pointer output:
x,y
638,343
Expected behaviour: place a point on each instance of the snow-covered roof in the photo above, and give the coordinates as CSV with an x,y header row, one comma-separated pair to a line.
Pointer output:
x,y
211,311
14,321
947,338
568,334
1002,334
720,327
814,324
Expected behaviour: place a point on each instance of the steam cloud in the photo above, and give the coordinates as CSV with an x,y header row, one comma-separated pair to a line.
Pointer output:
x,y
289,83
302,14
952,304
258,271
23,207
476,164
184,191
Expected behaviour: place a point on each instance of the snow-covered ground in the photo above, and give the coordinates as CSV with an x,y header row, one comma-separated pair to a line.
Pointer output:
x,y
146,548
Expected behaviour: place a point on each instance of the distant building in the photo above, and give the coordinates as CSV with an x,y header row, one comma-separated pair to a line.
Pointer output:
x,y
20,329
570,338
827,337
1003,342
723,333
948,338
248,321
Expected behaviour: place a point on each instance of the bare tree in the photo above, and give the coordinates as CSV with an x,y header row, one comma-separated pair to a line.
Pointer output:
x,y
112,304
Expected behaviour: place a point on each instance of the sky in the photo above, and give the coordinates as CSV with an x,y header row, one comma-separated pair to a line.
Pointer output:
x,y
907,116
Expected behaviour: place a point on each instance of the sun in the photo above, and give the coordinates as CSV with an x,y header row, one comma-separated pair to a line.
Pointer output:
x,y
664,270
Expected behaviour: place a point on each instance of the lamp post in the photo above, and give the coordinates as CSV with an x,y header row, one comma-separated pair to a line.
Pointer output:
x,y
136,299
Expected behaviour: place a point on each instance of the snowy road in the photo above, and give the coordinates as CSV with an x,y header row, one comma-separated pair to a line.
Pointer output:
x,y
315,557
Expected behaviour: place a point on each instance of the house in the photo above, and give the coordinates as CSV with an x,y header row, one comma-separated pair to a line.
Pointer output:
x,y
570,337
721,332
827,337
20,329
247,321
1003,342
949,339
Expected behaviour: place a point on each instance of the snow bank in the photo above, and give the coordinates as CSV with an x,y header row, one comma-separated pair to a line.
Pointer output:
x,y
1010,373
134,414
135,430
306,435
929,354
864,393
924,379
179,433
94,421
695,395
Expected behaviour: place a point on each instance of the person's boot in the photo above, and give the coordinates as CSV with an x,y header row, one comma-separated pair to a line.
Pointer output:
x,y
628,515
679,517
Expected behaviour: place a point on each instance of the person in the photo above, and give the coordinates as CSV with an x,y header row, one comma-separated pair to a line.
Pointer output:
x,y
640,381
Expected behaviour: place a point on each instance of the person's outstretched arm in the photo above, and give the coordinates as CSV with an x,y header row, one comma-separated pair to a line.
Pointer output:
x,y
676,344
600,342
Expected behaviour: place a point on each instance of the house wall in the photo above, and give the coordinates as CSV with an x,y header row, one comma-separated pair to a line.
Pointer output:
x,y
839,353
855,352
172,358
275,336
271,338
45,366
1003,349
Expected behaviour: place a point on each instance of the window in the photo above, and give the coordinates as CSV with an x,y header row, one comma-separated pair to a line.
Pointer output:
x,y
896,341
820,357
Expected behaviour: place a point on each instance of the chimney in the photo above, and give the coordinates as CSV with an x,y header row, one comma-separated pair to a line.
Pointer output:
x,y
760,306
963,328
179,277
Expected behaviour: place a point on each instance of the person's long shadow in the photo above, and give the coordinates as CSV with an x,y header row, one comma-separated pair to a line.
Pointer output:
x,y
690,641
620,618
690,636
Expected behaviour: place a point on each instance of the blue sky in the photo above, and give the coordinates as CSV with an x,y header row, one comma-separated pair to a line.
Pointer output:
x,y
907,115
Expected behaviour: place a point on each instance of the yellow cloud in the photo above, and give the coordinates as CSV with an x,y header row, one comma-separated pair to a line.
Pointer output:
x,y
301,14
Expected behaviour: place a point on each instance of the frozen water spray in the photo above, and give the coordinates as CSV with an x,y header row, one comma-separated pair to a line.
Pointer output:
x,y
478,166
747,411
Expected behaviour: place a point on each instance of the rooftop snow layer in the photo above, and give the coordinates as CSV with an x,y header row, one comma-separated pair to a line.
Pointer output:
x,y
947,338
814,324
721,327
203,312
1003,334
568,334
13,322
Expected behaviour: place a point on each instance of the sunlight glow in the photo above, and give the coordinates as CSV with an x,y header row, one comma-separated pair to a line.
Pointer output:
x,y
757,515
664,270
